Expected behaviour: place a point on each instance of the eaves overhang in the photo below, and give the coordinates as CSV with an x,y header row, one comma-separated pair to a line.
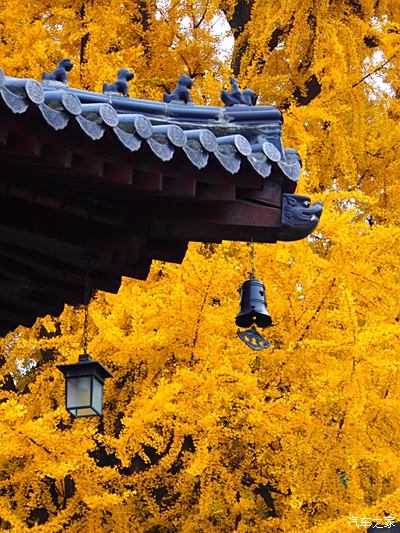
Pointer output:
x,y
130,180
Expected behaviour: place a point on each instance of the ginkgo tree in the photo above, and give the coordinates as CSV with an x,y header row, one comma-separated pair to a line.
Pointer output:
x,y
199,432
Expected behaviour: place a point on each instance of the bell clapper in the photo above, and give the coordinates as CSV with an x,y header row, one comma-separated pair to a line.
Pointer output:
x,y
253,339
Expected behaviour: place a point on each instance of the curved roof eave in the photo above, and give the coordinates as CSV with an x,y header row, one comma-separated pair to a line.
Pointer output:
x,y
232,136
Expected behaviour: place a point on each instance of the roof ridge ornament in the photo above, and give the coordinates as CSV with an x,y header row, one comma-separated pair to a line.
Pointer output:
x,y
237,97
120,86
181,93
60,73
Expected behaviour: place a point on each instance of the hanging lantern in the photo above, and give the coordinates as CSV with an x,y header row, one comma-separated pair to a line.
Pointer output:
x,y
84,384
253,306
84,380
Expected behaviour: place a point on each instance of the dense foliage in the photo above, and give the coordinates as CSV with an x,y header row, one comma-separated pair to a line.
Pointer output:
x,y
200,433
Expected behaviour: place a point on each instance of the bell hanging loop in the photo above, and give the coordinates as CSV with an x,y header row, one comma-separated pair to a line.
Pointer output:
x,y
253,305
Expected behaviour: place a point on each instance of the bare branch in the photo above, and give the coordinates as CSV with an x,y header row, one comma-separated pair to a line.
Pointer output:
x,y
199,22
373,72
318,309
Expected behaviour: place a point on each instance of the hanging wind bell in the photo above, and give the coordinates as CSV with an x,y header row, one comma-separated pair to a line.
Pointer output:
x,y
84,380
253,309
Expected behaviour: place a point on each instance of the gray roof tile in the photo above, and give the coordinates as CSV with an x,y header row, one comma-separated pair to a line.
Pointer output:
x,y
234,135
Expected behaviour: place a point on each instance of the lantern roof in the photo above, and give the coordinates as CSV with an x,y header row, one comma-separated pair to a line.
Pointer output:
x,y
85,367
129,180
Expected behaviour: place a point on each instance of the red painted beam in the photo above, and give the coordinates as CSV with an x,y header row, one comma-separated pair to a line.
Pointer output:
x,y
233,221
215,192
270,194
50,270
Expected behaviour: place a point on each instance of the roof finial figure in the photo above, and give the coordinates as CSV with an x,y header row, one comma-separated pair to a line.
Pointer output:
x,y
181,93
236,96
120,86
60,73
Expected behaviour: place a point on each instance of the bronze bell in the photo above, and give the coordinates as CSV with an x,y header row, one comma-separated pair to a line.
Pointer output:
x,y
253,306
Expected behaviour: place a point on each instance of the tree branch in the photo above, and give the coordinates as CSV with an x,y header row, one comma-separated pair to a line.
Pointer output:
x,y
318,309
373,72
202,17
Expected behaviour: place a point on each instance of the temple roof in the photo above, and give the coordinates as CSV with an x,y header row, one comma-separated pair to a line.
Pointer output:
x,y
236,137
128,181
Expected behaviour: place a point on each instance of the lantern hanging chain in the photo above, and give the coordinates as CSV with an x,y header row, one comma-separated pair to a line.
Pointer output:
x,y
252,272
86,298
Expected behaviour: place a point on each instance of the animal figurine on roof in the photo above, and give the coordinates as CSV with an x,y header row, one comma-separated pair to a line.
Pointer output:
x,y
181,93
120,86
59,73
237,97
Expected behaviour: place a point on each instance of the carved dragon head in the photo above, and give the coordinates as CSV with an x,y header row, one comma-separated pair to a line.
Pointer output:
x,y
299,217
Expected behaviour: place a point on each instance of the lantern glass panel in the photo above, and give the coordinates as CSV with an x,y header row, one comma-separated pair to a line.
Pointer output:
x,y
78,391
97,399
